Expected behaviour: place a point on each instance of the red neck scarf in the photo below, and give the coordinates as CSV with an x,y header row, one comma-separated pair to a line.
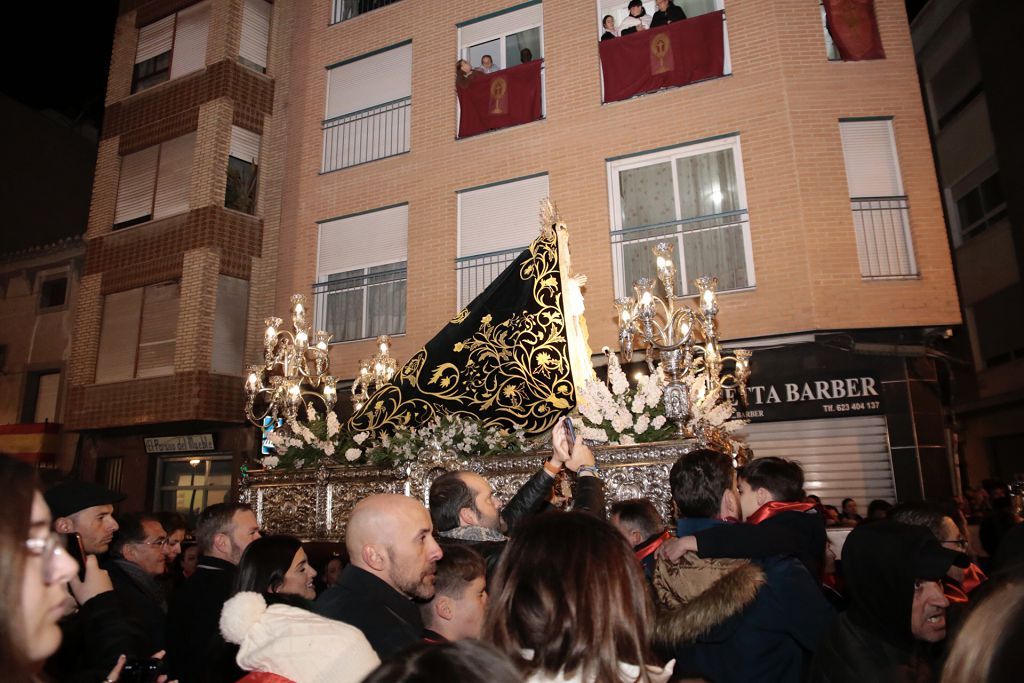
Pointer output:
x,y
652,546
774,507
959,592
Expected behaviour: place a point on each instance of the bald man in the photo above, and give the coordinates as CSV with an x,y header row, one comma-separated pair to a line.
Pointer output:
x,y
393,562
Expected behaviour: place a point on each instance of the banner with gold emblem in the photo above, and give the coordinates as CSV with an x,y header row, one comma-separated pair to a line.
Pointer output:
x,y
497,100
854,29
668,56
504,359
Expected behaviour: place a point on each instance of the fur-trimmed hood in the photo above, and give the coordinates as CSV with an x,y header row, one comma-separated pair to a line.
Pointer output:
x,y
696,595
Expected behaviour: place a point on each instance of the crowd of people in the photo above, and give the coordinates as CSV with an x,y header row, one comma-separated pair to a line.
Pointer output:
x,y
741,588
637,19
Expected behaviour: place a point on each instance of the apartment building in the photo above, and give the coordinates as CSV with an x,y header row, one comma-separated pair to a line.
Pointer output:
x,y
964,51
182,225
794,167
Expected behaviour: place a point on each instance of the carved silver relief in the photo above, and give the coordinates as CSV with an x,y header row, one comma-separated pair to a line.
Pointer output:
x,y
315,503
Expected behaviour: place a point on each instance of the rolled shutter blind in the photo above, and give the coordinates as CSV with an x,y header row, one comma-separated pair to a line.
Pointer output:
x,y
503,24
245,145
841,457
364,83
158,330
136,185
255,32
869,151
190,40
229,325
155,39
119,336
172,183
369,239
500,217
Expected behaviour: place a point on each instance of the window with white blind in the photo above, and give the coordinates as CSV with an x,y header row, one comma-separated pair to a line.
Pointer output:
x,y
361,274
137,335
243,165
42,392
496,222
368,108
881,216
154,182
229,325
693,197
504,36
252,51
172,47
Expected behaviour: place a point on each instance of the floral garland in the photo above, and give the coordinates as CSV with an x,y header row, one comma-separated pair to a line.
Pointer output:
x,y
613,412
306,444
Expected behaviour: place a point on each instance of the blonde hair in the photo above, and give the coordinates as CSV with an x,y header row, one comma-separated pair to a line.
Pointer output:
x,y
988,639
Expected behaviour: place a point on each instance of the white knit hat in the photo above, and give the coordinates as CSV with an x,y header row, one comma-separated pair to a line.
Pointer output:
x,y
295,643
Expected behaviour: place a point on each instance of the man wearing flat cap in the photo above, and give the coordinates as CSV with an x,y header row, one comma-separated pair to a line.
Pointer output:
x,y
897,615
100,629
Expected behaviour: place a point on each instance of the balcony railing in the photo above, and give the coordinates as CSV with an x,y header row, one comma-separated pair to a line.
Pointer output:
x,y
883,237
705,245
366,135
476,272
362,306
347,9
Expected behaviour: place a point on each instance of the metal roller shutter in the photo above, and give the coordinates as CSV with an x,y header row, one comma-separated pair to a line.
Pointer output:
x,y
842,457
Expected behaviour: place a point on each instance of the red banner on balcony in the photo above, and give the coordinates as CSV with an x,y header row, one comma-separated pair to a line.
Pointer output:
x,y
854,29
668,56
500,99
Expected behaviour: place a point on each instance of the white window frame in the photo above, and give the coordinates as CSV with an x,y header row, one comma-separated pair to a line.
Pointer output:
x,y
205,462
614,167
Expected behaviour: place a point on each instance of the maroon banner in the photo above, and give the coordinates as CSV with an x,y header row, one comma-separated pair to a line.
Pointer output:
x,y
668,56
854,29
500,99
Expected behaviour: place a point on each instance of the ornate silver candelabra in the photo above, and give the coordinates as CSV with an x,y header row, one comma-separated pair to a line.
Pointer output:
x,y
684,339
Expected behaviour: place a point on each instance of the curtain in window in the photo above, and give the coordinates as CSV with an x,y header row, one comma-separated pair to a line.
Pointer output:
x,y
707,184
344,312
385,300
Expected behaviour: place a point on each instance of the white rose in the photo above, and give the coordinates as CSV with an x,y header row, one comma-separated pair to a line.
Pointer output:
x,y
353,454
627,440
271,461
361,437
642,423
658,422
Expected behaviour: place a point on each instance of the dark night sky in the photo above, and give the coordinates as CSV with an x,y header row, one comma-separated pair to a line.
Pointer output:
x,y
56,55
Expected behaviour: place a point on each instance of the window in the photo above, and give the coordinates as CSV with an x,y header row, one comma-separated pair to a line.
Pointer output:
x,y
880,211
188,484
252,51
504,36
981,207
998,332
347,9
361,274
109,472
154,182
229,325
496,223
137,335
692,196
53,292
171,47
368,102
955,84
243,163
42,390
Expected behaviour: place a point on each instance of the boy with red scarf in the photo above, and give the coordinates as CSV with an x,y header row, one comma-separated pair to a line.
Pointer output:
x,y
779,522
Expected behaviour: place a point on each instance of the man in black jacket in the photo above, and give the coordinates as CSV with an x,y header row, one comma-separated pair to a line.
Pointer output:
x,y
137,557
463,508
393,562
897,612
195,650
666,13
100,629
779,522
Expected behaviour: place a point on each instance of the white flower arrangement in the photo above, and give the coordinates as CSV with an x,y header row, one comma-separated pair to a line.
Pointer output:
x,y
615,413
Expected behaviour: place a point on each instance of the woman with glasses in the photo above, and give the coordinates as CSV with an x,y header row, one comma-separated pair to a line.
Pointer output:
x,y
34,572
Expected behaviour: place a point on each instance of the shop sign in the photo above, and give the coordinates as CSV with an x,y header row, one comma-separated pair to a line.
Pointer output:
x,y
178,444
808,397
